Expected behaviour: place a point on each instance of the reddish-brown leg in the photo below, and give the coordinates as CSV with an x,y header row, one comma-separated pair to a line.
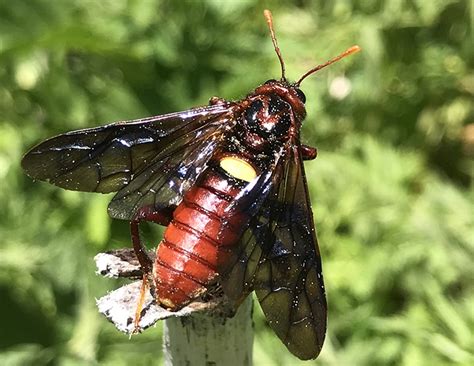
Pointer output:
x,y
308,152
140,302
149,214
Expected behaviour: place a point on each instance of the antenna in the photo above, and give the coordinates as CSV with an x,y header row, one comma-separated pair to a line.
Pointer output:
x,y
347,52
268,16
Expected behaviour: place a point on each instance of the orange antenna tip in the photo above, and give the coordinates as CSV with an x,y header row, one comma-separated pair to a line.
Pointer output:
x,y
353,49
347,52
268,17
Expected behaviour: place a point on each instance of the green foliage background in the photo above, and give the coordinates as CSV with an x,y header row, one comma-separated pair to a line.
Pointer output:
x,y
391,188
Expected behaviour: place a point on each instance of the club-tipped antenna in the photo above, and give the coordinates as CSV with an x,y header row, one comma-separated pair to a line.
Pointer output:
x,y
347,52
268,16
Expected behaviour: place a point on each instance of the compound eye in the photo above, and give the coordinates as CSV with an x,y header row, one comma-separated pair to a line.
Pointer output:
x,y
271,81
300,95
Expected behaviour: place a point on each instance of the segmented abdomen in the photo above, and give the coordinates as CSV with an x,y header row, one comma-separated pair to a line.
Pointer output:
x,y
194,241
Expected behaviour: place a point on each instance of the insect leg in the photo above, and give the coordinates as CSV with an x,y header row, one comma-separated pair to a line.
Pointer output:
x,y
149,214
308,152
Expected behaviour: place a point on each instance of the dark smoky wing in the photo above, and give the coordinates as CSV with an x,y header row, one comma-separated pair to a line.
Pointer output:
x,y
239,263
279,259
289,282
106,159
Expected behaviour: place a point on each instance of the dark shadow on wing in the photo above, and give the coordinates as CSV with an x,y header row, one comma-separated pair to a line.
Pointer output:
x,y
279,259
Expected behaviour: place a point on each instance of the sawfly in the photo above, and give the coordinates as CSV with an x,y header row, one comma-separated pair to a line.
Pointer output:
x,y
227,180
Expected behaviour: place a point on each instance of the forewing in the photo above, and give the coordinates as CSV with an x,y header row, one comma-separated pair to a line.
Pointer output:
x,y
106,159
279,258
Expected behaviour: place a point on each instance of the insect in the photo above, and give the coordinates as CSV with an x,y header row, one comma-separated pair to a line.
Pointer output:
x,y
228,182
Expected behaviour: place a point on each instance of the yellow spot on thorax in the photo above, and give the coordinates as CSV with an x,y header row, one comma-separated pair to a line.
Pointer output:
x,y
238,168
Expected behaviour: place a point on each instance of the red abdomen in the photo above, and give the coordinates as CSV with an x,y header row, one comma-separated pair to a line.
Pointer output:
x,y
194,241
